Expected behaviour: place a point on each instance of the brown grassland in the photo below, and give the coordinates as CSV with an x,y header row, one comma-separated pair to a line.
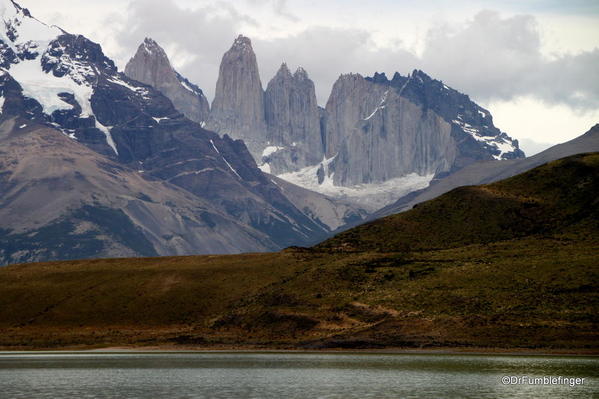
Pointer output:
x,y
510,265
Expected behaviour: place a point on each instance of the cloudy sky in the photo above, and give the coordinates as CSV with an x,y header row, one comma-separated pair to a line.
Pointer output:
x,y
533,63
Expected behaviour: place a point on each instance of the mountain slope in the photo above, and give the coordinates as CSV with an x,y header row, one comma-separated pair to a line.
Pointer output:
x,y
486,282
66,82
550,199
60,200
331,212
150,65
488,172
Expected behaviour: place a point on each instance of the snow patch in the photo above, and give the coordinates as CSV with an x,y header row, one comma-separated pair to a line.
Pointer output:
x,y
45,87
265,167
138,90
381,105
230,167
271,149
109,140
188,87
500,143
224,159
214,146
372,196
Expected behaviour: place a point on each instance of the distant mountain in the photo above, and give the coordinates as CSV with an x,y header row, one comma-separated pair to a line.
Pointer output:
x,y
65,82
379,129
375,134
61,200
238,105
151,66
293,121
489,172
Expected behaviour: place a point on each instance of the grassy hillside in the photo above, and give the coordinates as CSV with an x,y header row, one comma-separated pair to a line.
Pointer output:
x,y
508,265
562,196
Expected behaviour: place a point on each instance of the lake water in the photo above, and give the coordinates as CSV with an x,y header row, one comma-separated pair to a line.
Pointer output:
x,y
288,375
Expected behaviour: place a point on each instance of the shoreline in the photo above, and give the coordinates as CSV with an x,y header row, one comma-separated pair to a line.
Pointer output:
x,y
249,350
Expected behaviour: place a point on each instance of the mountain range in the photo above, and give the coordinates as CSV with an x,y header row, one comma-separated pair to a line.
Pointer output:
x,y
56,83
373,130
102,163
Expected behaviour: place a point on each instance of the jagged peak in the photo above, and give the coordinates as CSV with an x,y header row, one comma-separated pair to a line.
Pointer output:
x,y
350,76
419,74
242,43
284,70
21,27
148,41
151,47
300,73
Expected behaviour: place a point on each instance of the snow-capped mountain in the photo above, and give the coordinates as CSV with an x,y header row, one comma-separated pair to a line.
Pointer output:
x,y
54,79
376,140
379,129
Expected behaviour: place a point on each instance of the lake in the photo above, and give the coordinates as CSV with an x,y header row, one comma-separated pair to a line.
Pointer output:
x,y
288,375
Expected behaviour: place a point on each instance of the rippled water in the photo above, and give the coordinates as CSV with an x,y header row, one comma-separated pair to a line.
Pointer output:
x,y
287,375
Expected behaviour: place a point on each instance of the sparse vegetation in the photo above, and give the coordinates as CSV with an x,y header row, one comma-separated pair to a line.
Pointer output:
x,y
508,265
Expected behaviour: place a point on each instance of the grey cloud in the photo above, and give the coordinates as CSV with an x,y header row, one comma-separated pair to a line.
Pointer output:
x,y
494,58
280,7
326,53
488,57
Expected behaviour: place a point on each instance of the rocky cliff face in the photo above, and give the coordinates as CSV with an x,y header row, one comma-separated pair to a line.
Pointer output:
x,y
65,82
379,129
61,200
238,106
372,131
151,66
374,134
293,120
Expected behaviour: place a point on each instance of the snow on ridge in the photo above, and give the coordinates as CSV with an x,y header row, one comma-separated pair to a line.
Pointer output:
x,y
135,89
188,87
34,37
499,143
45,87
26,28
225,159
230,167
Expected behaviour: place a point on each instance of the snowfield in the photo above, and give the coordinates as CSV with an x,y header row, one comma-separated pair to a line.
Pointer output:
x,y
370,197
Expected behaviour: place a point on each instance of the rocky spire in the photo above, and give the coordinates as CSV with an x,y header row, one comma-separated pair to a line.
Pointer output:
x,y
151,66
238,106
293,121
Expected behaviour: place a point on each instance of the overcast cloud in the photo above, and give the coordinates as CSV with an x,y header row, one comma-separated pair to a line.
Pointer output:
x,y
489,57
540,55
